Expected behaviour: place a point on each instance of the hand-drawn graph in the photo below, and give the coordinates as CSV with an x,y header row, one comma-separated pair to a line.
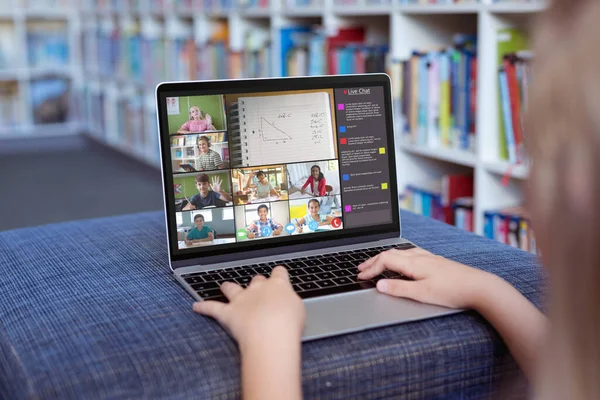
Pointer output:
x,y
268,132
286,128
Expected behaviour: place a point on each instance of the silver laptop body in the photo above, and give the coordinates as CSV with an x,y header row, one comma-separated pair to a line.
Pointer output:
x,y
329,313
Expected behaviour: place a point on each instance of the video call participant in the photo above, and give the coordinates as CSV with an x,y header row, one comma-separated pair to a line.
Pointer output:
x,y
208,196
316,182
255,230
313,215
200,233
197,123
208,159
263,186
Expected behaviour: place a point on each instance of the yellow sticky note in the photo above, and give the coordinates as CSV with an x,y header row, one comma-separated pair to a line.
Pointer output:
x,y
384,186
382,150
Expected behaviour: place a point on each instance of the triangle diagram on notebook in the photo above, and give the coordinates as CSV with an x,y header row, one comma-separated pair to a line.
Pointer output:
x,y
270,133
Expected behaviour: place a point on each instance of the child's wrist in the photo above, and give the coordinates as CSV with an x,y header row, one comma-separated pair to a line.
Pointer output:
x,y
482,289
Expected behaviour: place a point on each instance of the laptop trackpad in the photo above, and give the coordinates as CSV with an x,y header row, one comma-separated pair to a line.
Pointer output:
x,y
355,311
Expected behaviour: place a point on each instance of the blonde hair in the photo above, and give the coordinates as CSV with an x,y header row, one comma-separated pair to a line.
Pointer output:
x,y
199,110
563,138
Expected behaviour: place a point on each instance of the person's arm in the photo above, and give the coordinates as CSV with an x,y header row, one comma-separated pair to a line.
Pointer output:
x,y
271,368
266,319
273,192
277,228
209,124
299,223
308,182
185,128
189,205
251,229
210,238
248,182
224,196
443,282
322,184
328,219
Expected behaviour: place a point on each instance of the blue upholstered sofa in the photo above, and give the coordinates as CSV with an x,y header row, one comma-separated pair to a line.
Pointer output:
x,y
89,310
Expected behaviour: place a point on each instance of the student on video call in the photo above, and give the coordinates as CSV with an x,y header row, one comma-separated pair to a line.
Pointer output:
x,y
255,230
206,195
313,215
200,233
208,159
263,186
316,182
197,123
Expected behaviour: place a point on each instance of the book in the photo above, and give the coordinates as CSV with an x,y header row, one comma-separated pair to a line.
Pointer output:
x,y
50,99
509,137
10,110
281,129
439,96
47,44
291,38
343,37
510,226
509,40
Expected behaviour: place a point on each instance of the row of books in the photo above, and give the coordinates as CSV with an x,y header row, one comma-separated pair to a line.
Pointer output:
x,y
438,95
306,50
43,3
435,199
191,140
510,226
514,78
47,44
10,105
439,1
121,120
50,102
8,55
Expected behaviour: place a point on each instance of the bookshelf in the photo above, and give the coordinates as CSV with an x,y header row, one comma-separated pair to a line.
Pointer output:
x,y
39,73
111,88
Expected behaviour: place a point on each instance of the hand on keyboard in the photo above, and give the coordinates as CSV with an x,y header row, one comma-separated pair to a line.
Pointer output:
x,y
267,308
435,279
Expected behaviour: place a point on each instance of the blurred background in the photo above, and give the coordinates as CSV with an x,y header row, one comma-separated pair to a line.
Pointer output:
x,y
78,132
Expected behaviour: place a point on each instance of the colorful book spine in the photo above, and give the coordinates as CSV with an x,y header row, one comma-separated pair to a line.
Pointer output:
x,y
507,117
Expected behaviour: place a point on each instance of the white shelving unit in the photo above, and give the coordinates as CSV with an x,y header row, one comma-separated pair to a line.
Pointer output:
x,y
17,16
406,27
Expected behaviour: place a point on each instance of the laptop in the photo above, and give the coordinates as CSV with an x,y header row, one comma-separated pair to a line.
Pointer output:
x,y
328,131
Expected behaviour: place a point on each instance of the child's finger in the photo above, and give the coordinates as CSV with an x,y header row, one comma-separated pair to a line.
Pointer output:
x,y
367,264
280,272
400,288
210,308
230,290
391,261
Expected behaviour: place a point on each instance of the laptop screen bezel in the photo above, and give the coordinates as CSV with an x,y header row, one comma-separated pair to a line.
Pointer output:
x,y
243,250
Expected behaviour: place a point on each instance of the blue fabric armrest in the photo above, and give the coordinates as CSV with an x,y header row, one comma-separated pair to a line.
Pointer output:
x,y
90,310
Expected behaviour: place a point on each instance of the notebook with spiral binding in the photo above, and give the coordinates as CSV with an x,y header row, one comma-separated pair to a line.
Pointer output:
x,y
281,129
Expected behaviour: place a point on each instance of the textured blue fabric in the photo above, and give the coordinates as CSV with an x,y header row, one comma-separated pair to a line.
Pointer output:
x,y
90,310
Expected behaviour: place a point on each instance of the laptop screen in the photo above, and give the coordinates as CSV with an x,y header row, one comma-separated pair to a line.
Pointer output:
x,y
248,169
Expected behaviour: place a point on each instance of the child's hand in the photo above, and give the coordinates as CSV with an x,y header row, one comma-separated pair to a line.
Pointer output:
x,y
216,184
251,235
208,118
437,280
268,308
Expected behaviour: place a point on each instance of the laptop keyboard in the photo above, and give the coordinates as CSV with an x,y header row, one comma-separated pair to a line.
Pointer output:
x,y
313,276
